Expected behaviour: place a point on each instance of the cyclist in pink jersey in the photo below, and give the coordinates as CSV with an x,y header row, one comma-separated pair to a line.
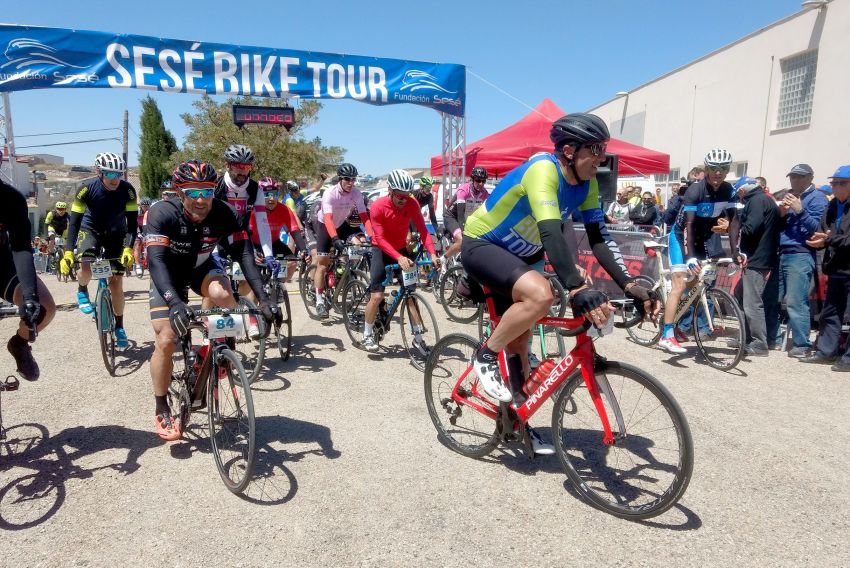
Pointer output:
x,y
467,198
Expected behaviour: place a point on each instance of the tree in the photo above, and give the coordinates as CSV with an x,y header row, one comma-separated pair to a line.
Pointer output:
x,y
280,154
156,147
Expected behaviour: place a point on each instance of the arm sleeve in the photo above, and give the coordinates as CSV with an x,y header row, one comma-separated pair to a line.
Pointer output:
x,y
450,221
432,214
78,209
689,207
367,224
157,249
19,242
239,246
378,234
263,230
607,252
562,258
132,229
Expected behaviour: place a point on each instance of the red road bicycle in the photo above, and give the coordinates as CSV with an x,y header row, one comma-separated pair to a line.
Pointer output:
x,y
619,434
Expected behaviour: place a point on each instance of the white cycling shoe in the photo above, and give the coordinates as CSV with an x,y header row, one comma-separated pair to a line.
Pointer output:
x,y
491,380
538,446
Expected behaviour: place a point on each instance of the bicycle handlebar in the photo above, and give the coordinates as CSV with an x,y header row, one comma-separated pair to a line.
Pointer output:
x,y
12,311
197,314
418,263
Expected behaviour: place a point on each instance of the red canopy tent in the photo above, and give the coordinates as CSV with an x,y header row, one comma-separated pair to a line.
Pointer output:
x,y
501,152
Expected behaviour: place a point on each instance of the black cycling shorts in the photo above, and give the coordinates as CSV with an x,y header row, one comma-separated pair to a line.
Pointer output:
x,y
90,242
496,268
323,239
378,268
194,280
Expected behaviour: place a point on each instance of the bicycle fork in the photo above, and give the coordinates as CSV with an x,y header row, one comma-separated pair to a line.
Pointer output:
x,y
597,386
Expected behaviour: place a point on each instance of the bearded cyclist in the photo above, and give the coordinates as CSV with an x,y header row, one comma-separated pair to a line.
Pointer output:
x,y
103,215
708,207
237,188
332,228
505,239
181,236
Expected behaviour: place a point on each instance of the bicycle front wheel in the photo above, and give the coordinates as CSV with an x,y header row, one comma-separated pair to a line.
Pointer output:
x,y
230,413
461,411
645,332
428,331
105,320
308,291
457,307
250,346
283,332
719,332
355,296
647,466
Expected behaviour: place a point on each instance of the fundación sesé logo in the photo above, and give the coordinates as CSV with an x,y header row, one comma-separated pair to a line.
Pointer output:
x,y
24,53
416,80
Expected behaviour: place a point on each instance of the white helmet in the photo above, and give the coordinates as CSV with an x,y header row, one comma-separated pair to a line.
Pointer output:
x,y
400,180
109,162
718,158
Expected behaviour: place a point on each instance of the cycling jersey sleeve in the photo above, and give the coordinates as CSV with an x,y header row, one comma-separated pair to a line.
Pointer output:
x,y
420,226
378,237
18,227
604,247
689,211
450,218
265,233
542,191
367,224
132,229
78,209
562,258
238,246
157,249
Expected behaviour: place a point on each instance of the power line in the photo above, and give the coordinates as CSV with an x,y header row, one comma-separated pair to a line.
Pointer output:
x,y
67,143
66,132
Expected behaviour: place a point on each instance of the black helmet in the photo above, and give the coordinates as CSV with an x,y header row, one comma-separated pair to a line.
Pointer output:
x,y
578,128
346,170
239,154
194,172
292,186
478,173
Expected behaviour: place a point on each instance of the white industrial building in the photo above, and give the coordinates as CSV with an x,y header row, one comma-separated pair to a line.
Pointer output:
x,y
774,98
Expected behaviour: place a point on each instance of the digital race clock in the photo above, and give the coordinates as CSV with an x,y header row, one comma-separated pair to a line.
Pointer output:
x,y
280,116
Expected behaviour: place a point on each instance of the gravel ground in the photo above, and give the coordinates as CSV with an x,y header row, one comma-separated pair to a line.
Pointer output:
x,y
350,471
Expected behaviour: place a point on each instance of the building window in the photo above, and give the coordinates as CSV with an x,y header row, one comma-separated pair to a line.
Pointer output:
x,y
740,169
797,89
675,175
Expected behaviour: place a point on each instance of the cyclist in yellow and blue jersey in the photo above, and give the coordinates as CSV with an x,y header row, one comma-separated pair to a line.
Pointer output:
x,y
104,214
505,239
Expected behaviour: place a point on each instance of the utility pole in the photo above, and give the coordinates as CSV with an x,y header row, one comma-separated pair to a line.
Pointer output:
x,y
10,139
126,143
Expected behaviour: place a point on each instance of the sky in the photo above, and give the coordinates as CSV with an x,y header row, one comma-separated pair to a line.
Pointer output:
x,y
576,53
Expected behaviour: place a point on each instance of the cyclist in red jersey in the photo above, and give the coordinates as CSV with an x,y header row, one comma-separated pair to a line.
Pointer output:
x,y
285,227
391,217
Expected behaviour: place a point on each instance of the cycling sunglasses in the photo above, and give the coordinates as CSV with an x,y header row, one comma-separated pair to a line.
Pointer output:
x,y
348,179
479,180
240,167
597,148
717,169
196,193
112,175
271,194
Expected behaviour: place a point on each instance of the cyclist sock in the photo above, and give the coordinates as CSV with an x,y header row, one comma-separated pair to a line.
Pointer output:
x,y
486,354
320,296
417,332
162,404
668,330
83,289
367,328
119,321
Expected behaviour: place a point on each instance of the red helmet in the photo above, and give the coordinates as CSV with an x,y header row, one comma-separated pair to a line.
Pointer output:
x,y
194,173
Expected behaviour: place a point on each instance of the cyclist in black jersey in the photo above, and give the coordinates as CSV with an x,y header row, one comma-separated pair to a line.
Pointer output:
x,y
708,207
56,223
103,215
180,237
18,281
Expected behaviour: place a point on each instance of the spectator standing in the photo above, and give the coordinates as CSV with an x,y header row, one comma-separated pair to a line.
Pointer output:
x,y
619,210
833,235
760,228
634,196
646,213
802,208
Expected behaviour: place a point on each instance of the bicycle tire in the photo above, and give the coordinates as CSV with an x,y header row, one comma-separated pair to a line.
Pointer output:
x,y
640,330
355,296
457,308
430,334
590,464
308,291
105,321
559,306
31,499
252,352
238,442
724,348
449,358
283,332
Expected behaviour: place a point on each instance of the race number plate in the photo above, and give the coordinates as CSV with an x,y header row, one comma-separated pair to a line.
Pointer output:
x,y
709,274
224,326
236,272
101,269
408,277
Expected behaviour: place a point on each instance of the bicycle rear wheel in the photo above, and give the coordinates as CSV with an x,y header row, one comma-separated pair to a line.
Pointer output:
x,y
457,307
646,332
456,402
308,291
723,342
430,332
355,296
105,320
230,412
251,350
647,467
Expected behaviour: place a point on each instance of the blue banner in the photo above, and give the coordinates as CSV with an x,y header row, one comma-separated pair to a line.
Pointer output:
x,y
44,58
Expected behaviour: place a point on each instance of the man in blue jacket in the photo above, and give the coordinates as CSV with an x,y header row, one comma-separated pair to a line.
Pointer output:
x,y
802,207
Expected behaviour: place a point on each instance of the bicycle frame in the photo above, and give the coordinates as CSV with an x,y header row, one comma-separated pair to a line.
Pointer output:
x,y
404,292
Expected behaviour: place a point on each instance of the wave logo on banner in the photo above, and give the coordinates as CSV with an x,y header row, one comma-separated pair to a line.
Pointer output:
x,y
30,58
416,80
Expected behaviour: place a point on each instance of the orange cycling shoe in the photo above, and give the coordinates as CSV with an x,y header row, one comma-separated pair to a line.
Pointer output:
x,y
167,428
